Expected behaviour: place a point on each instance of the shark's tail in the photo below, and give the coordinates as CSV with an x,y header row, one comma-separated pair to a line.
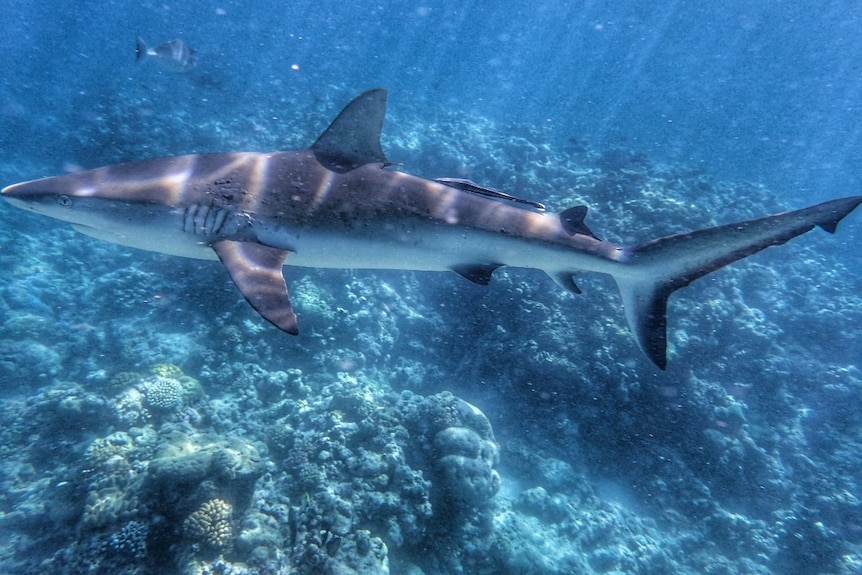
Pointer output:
x,y
140,49
656,269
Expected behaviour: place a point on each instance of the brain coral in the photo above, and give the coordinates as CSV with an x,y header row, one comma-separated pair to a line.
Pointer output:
x,y
210,524
166,370
163,393
466,465
458,441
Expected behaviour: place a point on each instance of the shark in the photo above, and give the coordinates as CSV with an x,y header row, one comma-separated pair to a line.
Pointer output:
x,y
338,204
174,55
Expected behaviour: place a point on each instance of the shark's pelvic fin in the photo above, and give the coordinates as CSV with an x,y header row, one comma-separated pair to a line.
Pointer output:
x,y
353,138
256,270
658,268
476,273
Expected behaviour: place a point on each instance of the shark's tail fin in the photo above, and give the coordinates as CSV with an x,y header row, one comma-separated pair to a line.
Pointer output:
x,y
140,49
656,269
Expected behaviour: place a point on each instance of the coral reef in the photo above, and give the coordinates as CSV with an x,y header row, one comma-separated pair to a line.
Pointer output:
x,y
341,451
466,464
163,393
130,540
210,525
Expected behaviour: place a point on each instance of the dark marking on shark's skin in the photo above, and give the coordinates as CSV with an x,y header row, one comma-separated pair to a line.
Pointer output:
x,y
334,205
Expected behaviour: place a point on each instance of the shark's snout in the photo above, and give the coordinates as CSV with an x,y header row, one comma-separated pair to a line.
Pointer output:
x,y
15,194
9,191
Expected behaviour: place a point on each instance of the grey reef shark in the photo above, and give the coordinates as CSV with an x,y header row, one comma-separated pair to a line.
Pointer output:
x,y
336,205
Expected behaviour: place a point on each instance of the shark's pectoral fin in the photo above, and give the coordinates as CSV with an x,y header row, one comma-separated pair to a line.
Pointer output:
x,y
257,272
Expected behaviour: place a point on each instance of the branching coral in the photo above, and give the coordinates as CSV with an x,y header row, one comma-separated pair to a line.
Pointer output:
x,y
210,525
163,393
130,540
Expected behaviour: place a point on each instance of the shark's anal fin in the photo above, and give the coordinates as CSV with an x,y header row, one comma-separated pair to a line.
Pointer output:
x,y
476,273
256,270
572,221
662,266
566,281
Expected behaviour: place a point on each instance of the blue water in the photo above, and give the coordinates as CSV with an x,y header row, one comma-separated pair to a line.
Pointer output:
x,y
141,398
767,92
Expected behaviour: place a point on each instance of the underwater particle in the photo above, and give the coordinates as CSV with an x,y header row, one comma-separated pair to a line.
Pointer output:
x,y
163,393
130,540
210,525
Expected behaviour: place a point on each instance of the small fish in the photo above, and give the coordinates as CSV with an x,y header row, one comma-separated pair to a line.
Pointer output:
x,y
173,55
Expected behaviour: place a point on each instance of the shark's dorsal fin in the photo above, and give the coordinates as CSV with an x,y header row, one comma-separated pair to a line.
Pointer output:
x,y
256,271
353,138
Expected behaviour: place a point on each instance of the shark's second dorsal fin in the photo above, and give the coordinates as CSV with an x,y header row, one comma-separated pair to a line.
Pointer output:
x,y
353,138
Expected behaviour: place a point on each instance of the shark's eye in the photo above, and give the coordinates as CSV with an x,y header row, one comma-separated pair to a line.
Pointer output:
x,y
64,201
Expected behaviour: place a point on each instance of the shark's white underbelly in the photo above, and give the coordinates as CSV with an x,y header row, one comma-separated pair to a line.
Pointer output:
x,y
427,246
434,247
